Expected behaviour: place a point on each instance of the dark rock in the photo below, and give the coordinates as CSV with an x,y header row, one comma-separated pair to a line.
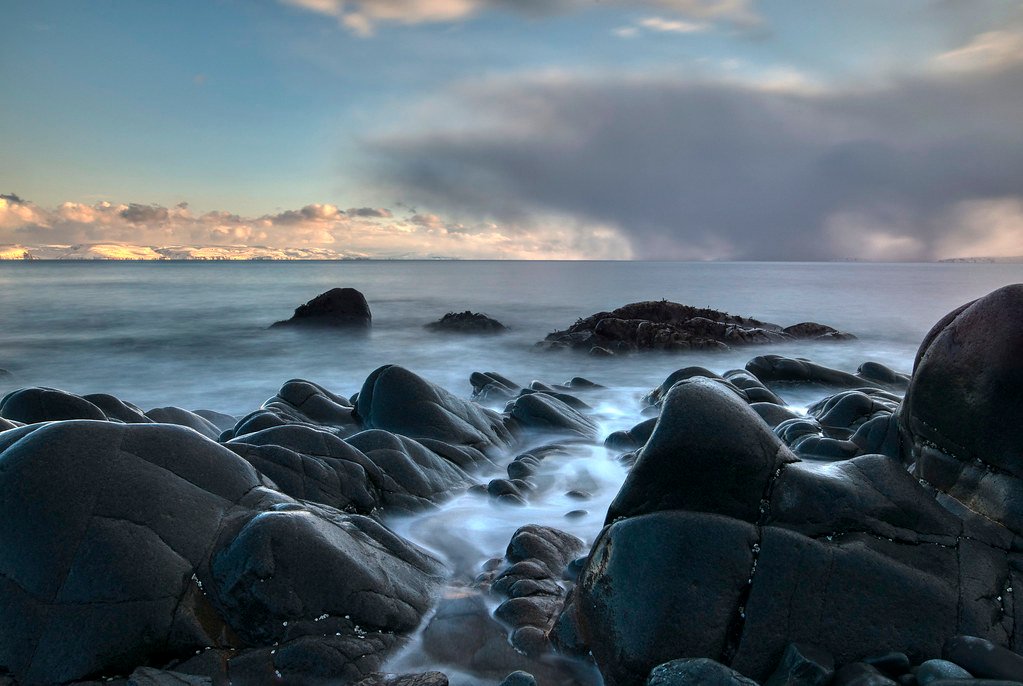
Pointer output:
x,y
633,438
176,415
544,544
424,679
147,676
492,387
893,664
775,369
875,371
696,672
960,419
932,670
983,659
975,682
466,323
34,405
128,544
396,400
755,390
546,414
663,325
815,331
773,414
342,308
116,409
803,664
218,419
531,641
576,514
861,674
519,678
305,401
709,452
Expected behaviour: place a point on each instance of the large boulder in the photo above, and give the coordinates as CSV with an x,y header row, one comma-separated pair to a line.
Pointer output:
x,y
721,544
466,323
338,308
961,418
134,544
397,400
34,405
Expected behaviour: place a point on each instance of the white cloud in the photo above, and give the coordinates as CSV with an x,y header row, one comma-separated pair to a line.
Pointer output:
x,y
991,50
361,17
662,25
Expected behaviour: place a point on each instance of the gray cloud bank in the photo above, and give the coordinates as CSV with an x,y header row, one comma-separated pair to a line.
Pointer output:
x,y
927,166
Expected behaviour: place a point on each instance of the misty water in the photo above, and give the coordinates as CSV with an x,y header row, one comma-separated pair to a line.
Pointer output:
x,y
196,335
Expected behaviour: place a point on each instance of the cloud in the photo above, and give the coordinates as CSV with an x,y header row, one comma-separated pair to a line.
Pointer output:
x,y
771,168
991,50
661,25
362,16
367,231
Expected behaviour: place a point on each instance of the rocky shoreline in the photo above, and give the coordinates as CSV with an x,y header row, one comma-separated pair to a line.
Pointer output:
x,y
873,540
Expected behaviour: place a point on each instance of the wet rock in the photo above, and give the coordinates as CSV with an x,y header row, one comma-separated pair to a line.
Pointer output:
x,y
932,670
519,678
664,325
960,419
424,679
632,438
544,544
147,676
773,414
117,409
394,399
492,387
696,672
892,663
755,390
709,452
861,674
778,369
982,658
181,417
127,544
466,323
34,405
305,401
218,419
815,331
338,308
543,413
803,664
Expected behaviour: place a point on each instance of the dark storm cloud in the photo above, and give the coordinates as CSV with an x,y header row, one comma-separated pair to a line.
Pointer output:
x,y
741,170
144,214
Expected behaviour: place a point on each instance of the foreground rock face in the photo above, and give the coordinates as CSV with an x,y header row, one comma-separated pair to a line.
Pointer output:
x,y
125,544
723,544
962,419
467,323
338,308
670,326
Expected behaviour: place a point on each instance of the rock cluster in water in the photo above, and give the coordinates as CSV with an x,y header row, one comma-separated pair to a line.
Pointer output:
x,y
873,541
467,323
670,326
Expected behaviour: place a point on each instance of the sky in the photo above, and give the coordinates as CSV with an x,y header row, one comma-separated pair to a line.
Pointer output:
x,y
526,129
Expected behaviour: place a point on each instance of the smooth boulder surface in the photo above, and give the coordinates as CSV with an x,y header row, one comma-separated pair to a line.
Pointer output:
x,y
960,419
338,308
719,520
780,369
466,323
397,400
133,544
34,405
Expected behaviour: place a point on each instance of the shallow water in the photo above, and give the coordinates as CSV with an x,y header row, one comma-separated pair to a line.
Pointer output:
x,y
195,335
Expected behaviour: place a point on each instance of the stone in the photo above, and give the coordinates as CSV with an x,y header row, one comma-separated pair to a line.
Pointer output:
x,y
932,670
696,672
181,417
34,405
466,323
338,308
803,664
982,658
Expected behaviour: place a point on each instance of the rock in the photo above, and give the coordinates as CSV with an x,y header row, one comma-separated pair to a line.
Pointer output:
x,y
803,664
34,405
631,439
341,308
861,674
778,369
304,401
519,678
176,415
893,663
960,419
542,413
394,399
932,670
116,409
466,323
755,390
218,419
424,679
815,331
492,387
546,545
663,325
774,414
696,672
129,544
709,452
982,658
147,676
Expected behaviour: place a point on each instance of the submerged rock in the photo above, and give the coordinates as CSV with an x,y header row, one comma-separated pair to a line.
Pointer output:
x,y
467,323
671,326
338,308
